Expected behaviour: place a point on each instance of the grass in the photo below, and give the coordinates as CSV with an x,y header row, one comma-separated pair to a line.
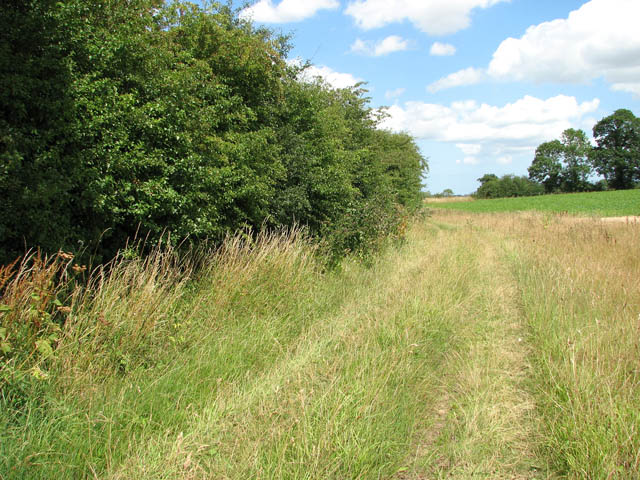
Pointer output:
x,y
602,204
579,293
491,346
260,366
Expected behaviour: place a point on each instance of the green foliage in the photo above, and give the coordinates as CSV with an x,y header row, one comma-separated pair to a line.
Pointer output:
x,y
546,167
507,186
575,177
617,154
33,311
563,165
148,117
566,165
37,170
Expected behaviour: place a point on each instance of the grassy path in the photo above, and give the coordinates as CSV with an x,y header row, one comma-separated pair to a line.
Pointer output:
x,y
478,349
487,427
419,373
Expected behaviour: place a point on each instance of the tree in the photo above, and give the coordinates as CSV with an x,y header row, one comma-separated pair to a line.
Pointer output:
x,y
577,167
563,165
507,186
488,177
617,155
547,167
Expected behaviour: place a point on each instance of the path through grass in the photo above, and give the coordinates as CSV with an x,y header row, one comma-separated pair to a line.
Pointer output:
x,y
475,350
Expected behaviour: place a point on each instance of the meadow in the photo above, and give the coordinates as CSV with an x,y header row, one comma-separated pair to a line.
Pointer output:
x,y
600,204
481,346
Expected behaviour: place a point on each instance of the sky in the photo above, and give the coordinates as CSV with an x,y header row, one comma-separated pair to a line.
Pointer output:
x,y
478,83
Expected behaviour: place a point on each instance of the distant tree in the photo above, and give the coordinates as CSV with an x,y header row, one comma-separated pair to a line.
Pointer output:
x,y
487,178
547,167
563,165
508,186
577,167
617,154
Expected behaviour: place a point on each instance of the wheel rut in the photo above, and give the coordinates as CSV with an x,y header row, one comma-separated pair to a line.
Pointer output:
x,y
483,422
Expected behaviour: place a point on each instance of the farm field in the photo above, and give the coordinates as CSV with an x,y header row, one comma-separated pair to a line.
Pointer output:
x,y
499,346
601,204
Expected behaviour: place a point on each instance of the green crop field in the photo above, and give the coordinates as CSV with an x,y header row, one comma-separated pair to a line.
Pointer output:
x,y
605,204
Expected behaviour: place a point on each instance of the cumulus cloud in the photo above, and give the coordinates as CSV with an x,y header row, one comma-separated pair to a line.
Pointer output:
x,y
329,75
435,17
287,10
468,76
474,128
600,39
468,161
386,46
391,94
442,49
469,148
333,78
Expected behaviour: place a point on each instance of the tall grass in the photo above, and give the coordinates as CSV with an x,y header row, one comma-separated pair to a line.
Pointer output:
x,y
257,364
438,358
579,289
65,344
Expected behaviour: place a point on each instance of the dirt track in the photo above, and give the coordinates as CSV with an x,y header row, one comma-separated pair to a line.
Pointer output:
x,y
629,219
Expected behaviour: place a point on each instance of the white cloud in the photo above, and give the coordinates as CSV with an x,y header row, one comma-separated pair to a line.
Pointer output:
x,y
468,161
468,76
333,78
435,17
442,49
287,10
469,148
391,94
391,44
505,160
600,39
514,128
386,46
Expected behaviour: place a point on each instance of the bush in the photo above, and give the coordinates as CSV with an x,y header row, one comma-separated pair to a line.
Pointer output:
x,y
147,118
508,186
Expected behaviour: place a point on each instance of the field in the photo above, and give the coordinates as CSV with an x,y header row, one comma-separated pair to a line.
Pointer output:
x,y
600,204
500,346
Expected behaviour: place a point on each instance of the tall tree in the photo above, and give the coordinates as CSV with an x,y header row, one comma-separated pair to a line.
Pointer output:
x,y
547,166
617,155
577,167
563,165
487,177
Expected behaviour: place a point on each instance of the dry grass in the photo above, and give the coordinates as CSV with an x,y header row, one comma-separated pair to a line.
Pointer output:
x,y
580,294
499,346
448,199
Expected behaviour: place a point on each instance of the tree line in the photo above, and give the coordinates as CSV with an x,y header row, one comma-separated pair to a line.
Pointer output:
x,y
572,164
149,118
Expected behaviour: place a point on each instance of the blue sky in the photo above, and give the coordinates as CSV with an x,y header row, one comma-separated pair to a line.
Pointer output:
x,y
479,83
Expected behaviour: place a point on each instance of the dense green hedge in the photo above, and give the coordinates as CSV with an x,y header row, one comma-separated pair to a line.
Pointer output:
x,y
144,117
507,186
